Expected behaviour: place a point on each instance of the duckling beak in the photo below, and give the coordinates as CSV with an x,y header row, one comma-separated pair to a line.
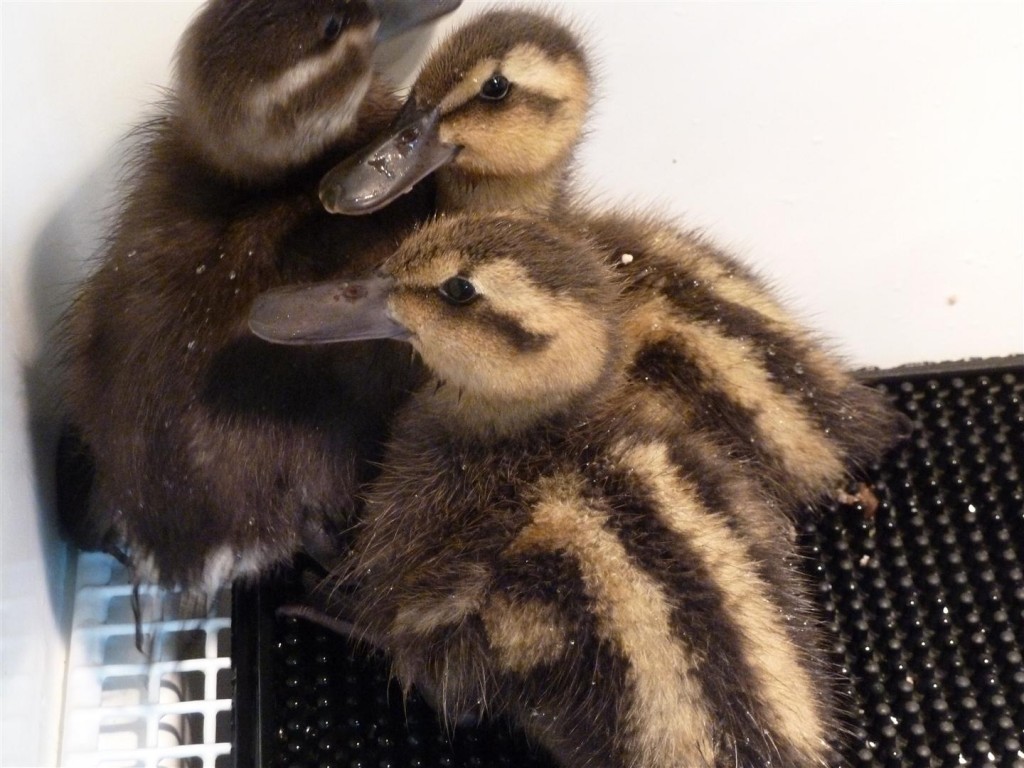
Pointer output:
x,y
354,310
398,16
386,170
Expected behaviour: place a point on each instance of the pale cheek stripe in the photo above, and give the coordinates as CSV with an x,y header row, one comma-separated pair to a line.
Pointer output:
x,y
306,139
668,720
783,685
268,95
250,146
314,130
529,67
468,87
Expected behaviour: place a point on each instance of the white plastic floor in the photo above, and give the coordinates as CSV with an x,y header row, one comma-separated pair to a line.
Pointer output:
x,y
169,707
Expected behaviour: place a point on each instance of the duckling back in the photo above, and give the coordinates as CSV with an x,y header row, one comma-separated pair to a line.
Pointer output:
x,y
714,349
628,602
611,584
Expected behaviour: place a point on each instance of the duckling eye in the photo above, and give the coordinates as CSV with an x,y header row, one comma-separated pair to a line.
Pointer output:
x,y
495,89
458,290
333,28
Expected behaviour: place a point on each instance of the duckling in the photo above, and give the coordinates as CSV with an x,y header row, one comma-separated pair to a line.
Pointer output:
x,y
534,547
497,111
214,455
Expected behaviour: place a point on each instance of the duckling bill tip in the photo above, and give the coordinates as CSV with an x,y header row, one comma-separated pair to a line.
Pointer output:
x,y
372,179
398,16
354,310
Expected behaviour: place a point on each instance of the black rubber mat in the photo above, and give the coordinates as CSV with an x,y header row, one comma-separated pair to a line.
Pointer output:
x,y
923,594
926,596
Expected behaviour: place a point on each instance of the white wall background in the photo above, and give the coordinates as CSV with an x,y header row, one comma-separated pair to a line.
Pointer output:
x,y
866,156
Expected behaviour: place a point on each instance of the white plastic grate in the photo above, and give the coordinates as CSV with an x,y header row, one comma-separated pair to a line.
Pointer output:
x,y
167,708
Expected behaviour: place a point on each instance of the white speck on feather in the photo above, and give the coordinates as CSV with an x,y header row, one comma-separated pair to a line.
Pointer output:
x,y
626,258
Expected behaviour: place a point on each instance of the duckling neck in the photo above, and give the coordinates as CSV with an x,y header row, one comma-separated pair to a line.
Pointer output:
x,y
485,419
460,191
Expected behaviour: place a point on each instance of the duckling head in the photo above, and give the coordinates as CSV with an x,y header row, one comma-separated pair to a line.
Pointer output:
x,y
513,318
498,108
265,86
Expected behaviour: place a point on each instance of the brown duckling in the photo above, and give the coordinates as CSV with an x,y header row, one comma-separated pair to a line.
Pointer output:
x,y
214,454
535,547
497,111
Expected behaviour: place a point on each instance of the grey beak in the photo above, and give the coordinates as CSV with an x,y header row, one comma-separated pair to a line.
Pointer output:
x,y
354,310
398,16
387,169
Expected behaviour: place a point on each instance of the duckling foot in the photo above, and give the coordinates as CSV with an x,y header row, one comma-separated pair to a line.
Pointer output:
x,y
859,494
333,623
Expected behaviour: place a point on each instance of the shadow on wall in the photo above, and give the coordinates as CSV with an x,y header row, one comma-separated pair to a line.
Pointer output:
x,y
66,250
61,256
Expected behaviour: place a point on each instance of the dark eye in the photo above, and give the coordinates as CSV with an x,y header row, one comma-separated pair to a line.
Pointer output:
x,y
495,88
458,290
333,27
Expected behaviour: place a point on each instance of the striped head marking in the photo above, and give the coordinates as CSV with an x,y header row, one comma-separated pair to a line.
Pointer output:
x,y
514,316
497,111
513,88
510,313
266,85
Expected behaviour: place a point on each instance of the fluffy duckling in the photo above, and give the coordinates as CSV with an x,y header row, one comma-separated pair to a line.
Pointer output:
x,y
216,455
536,548
498,110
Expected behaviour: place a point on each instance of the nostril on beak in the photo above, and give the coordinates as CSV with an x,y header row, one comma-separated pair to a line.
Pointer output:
x,y
353,291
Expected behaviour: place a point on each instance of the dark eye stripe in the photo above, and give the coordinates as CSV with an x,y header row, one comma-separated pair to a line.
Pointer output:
x,y
537,102
518,337
541,102
489,320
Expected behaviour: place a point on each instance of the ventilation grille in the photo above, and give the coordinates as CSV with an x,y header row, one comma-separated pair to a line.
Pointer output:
x,y
167,708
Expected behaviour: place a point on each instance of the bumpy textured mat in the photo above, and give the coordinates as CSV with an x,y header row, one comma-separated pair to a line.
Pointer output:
x,y
923,594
